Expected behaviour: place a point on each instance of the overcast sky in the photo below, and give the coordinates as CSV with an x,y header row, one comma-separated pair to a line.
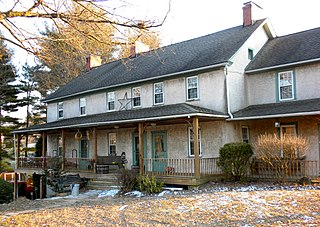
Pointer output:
x,y
193,18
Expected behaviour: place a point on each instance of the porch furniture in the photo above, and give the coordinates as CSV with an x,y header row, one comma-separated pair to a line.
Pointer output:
x,y
103,163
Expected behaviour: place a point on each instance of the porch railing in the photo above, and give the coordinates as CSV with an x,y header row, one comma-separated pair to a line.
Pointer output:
x,y
287,170
180,166
55,163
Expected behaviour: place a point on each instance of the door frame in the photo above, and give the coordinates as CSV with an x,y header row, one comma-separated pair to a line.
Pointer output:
x,y
155,166
136,135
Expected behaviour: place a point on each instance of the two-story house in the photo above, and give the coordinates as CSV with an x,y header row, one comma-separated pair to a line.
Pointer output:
x,y
170,110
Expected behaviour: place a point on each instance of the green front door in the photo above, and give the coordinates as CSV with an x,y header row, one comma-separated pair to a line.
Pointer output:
x,y
159,151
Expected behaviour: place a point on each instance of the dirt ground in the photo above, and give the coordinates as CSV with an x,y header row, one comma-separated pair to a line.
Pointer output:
x,y
211,205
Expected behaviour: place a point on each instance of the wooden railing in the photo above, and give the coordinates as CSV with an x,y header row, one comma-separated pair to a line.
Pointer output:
x,y
287,170
180,167
55,163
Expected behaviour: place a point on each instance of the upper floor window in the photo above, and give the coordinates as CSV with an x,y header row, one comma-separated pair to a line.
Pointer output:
x,y
60,110
286,85
83,104
110,101
158,93
136,96
192,88
250,54
245,134
191,141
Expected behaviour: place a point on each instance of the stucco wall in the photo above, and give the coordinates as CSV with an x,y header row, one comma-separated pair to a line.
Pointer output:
x,y
306,126
211,95
262,86
214,135
235,72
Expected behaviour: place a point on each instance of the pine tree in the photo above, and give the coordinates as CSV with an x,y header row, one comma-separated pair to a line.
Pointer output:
x,y
8,99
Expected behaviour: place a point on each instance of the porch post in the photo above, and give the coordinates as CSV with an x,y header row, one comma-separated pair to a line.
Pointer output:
x,y
196,146
44,144
18,150
63,135
141,149
95,141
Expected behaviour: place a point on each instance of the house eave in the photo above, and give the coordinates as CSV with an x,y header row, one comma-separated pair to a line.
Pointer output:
x,y
139,81
275,116
123,122
283,65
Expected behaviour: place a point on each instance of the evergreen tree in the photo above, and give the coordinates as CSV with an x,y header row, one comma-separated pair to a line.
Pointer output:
x,y
8,100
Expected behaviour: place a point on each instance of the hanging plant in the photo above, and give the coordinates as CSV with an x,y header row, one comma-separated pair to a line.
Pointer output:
x,y
78,135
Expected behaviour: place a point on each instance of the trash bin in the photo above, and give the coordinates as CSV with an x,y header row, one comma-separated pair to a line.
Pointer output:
x,y
75,189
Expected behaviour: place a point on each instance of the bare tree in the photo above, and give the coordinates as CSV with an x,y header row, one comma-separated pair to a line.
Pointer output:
x,y
60,11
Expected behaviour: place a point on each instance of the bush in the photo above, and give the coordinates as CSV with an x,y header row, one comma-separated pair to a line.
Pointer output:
x,y
127,181
6,191
149,185
234,159
280,153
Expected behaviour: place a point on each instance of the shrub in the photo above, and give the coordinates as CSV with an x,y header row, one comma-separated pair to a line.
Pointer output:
x,y
234,159
149,185
127,181
280,154
6,191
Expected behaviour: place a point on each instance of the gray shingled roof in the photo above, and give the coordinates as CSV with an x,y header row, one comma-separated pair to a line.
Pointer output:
x,y
293,48
205,51
127,116
282,109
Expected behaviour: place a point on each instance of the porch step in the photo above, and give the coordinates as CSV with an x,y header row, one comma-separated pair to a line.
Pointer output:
x,y
103,182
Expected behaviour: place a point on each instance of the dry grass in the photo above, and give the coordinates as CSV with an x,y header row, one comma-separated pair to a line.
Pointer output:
x,y
230,208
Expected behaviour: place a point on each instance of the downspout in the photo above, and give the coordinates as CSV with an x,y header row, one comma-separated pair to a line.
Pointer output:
x,y
227,91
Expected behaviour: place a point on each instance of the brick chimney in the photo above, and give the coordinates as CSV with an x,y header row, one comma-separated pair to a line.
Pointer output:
x,y
92,61
251,13
133,51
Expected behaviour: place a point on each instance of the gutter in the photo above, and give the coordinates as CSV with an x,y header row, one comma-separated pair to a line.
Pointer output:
x,y
138,81
283,65
123,121
275,116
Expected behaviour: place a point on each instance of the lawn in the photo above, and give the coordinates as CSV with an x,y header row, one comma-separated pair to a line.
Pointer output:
x,y
218,206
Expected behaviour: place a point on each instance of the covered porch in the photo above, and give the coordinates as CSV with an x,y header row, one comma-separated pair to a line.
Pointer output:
x,y
148,125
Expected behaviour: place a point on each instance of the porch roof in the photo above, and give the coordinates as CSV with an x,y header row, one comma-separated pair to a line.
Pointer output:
x,y
282,109
164,112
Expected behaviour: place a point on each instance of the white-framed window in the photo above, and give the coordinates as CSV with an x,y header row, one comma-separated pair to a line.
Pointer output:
x,y
191,142
112,143
136,97
286,85
158,93
287,131
111,101
192,88
245,134
83,105
60,110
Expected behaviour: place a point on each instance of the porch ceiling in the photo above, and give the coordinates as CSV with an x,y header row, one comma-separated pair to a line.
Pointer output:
x,y
129,117
281,109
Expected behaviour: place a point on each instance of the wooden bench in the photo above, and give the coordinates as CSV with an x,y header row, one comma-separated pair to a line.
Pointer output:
x,y
103,163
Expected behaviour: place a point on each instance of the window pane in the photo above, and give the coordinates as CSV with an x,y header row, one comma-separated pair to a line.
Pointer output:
x,y
158,88
110,105
112,143
111,99
286,85
158,98
192,87
136,92
110,96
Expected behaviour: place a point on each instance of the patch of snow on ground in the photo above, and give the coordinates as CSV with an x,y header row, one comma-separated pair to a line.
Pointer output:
x,y
110,193
135,193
